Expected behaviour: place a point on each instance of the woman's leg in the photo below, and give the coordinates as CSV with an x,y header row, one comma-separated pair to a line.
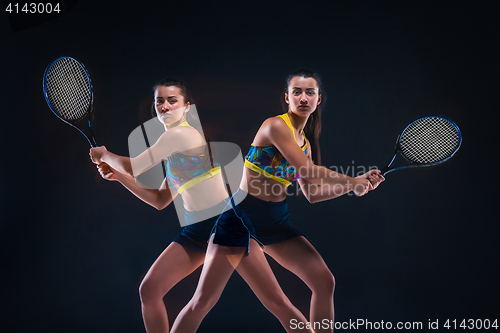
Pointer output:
x,y
217,270
301,258
219,264
175,263
255,270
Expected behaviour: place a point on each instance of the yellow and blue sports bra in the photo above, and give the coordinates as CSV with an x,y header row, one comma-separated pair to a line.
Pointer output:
x,y
184,171
268,161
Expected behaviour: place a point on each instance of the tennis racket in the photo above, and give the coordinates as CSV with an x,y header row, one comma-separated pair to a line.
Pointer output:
x,y
426,141
68,91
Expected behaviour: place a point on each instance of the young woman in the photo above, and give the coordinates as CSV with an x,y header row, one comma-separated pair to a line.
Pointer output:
x,y
202,188
280,154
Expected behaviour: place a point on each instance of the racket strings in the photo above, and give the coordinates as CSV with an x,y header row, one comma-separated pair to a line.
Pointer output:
x,y
429,140
68,89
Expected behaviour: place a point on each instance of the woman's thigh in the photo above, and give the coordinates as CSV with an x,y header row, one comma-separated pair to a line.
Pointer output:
x,y
300,257
174,263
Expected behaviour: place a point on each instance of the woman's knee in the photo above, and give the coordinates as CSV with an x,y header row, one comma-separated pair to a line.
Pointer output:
x,y
152,291
276,301
203,302
322,282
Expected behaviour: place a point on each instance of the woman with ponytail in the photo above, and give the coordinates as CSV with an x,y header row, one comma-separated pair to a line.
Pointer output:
x,y
281,153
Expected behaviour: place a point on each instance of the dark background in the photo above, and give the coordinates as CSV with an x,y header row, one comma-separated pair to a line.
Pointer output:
x,y
73,247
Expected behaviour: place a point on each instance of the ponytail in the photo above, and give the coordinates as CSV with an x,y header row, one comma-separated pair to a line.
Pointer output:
x,y
312,131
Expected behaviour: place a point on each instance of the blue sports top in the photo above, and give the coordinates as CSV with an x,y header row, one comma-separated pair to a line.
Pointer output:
x,y
184,171
268,161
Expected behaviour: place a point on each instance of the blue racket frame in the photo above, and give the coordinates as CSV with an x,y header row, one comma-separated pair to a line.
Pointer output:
x,y
387,169
89,114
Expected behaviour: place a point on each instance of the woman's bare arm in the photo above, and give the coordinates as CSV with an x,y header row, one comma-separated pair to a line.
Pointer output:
x,y
158,198
174,140
278,133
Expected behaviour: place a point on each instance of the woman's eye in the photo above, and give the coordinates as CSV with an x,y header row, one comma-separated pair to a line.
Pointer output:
x,y
173,101
310,93
296,92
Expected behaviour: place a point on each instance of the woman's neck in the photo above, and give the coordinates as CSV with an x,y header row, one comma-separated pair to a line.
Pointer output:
x,y
298,122
177,123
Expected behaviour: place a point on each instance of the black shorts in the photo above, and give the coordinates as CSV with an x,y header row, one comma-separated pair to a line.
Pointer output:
x,y
266,221
197,233
234,228
271,220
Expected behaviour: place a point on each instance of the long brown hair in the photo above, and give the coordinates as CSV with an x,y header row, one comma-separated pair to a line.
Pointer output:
x,y
313,125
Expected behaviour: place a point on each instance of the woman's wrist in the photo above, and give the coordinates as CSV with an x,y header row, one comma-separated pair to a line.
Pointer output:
x,y
104,157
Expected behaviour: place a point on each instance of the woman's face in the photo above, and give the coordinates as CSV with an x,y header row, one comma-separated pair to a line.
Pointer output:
x,y
169,104
303,95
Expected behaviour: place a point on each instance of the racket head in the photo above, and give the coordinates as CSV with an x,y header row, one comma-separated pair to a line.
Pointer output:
x,y
429,140
68,90
426,141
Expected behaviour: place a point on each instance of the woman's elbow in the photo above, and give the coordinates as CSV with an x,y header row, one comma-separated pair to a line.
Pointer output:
x,y
159,205
310,191
162,201
129,171
313,199
309,197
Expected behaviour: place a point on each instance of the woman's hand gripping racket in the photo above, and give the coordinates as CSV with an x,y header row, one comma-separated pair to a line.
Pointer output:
x,y
426,141
68,92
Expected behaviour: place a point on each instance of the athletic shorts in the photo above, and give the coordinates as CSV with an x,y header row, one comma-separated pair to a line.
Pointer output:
x,y
265,221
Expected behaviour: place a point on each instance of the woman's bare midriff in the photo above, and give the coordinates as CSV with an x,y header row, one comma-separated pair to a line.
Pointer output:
x,y
262,187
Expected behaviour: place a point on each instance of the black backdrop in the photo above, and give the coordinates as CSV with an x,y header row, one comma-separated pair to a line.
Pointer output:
x,y
73,247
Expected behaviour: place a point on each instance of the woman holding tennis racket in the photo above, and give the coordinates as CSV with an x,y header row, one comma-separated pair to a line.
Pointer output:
x,y
238,249
280,154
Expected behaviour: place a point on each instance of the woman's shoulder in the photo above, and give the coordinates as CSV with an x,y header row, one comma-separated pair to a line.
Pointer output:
x,y
182,136
180,132
275,125
272,128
